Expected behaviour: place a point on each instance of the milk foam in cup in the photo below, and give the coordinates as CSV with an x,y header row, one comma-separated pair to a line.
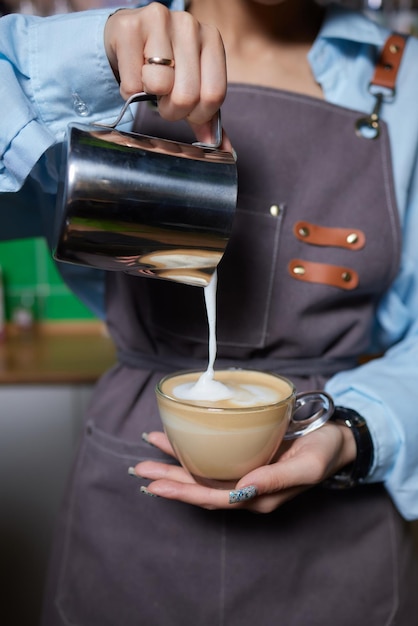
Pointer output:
x,y
220,440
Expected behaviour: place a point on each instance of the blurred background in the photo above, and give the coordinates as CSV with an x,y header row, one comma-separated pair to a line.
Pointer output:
x,y
52,350
401,13
50,7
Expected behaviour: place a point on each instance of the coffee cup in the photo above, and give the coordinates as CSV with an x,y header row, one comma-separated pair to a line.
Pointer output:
x,y
220,441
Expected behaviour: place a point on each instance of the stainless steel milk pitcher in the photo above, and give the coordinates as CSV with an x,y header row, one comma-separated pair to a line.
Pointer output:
x,y
144,205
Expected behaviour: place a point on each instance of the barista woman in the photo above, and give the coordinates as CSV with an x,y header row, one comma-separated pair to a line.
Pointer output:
x,y
321,269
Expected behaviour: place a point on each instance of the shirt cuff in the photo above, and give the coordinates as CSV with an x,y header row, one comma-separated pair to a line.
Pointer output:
x,y
61,75
385,437
71,75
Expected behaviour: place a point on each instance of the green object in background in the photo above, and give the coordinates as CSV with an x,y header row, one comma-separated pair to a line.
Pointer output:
x,y
32,281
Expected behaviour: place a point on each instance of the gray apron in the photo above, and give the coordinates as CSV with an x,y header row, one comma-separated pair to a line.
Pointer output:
x,y
316,243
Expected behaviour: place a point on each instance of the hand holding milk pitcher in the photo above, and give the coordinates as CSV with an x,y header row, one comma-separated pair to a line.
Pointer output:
x,y
176,227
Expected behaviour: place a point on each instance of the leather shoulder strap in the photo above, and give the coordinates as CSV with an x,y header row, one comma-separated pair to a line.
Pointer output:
x,y
389,62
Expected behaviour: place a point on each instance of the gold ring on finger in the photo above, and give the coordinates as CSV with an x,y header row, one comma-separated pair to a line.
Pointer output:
x,y
160,61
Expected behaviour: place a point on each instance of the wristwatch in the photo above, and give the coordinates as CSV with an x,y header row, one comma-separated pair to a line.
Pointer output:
x,y
352,474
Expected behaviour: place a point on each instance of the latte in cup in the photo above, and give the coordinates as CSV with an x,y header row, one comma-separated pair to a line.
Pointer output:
x,y
223,424
218,441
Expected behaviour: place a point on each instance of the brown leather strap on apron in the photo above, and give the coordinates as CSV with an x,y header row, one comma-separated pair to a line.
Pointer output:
x,y
387,68
383,84
349,238
324,273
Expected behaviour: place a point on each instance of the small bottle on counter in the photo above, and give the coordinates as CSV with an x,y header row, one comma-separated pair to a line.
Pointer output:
x,y
22,317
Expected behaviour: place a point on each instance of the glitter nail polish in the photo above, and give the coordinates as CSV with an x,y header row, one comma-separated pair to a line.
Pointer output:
x,y
240,495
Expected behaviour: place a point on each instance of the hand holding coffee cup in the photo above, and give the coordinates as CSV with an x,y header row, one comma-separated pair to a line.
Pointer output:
x,y
219,441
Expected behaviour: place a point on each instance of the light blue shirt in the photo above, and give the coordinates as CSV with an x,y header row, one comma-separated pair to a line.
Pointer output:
x,y
44,86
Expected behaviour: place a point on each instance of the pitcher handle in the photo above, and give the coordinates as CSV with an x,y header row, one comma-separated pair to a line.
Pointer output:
x,y
299,427
143,96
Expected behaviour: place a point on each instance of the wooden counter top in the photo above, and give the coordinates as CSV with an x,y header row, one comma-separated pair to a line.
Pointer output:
x,y
56,354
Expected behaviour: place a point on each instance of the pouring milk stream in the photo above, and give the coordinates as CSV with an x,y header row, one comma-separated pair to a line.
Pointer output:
x,y
206,388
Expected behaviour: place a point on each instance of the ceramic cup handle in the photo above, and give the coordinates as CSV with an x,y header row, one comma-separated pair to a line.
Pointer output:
x,y
322,406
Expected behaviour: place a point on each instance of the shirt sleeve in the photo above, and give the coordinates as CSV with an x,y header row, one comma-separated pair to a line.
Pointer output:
x,y
53,71
385,390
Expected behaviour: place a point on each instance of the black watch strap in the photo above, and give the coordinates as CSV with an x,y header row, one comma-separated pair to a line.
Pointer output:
x,y
351,475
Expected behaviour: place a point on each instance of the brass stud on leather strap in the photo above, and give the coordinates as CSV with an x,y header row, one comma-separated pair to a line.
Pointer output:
x,y
299,270
352,238
303,231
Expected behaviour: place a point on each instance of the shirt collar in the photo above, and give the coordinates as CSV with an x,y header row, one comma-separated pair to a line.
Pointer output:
x,y
346,24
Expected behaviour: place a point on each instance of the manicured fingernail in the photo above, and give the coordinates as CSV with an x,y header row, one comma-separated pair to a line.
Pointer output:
x,y
145,438
145,491
131,472
239,495
234,154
